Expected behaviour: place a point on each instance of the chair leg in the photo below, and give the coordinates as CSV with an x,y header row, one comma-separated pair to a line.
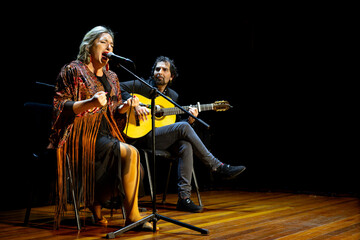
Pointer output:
x,y
197,188
73,194
28,209
112,208
149,174
31,195
167,184
123,210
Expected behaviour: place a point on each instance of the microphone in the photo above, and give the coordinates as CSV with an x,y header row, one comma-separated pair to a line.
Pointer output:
x,y
113,55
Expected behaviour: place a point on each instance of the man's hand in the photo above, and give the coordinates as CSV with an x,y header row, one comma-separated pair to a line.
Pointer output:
x,y
195,112
142,112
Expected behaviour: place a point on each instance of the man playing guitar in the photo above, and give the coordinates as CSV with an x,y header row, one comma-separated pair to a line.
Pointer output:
x,y
179,138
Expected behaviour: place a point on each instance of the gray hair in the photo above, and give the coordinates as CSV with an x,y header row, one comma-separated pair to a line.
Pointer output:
x,y
88,41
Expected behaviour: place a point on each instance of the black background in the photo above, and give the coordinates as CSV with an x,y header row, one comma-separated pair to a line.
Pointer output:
x,y
288,125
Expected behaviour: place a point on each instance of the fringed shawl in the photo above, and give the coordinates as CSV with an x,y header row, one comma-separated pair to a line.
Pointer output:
x,y
75,136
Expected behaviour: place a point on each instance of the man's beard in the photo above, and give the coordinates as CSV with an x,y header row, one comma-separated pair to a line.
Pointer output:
x,y
160,81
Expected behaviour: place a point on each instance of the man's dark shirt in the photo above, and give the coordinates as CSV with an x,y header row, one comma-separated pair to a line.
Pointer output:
x,y
142,89
139,88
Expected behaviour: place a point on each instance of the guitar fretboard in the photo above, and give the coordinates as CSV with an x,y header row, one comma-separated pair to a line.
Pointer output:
x,y
174,110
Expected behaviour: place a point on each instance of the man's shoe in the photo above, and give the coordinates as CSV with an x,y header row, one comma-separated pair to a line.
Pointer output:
x,y
188,205
228,172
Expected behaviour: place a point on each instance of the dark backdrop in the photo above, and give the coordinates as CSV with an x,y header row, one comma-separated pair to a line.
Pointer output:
x,y
284,125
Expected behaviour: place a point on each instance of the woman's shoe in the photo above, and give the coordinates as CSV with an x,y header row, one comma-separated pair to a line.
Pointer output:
x,y
97,217
146,227
100,221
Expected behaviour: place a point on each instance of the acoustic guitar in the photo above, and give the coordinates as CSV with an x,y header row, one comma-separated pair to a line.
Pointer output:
x,y
165,114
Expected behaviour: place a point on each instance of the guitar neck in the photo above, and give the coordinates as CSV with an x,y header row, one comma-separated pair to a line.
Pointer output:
x,y
175,111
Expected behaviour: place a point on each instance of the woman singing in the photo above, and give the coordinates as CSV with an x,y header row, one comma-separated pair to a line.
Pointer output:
x,y
88,117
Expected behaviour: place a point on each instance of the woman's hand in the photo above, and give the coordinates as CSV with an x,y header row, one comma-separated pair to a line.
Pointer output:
x,y
133,102
99,99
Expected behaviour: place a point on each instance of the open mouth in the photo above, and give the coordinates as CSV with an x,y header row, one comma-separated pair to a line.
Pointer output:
x,y
104,56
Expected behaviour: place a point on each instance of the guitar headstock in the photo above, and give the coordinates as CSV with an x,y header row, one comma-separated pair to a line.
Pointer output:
x,y
221,105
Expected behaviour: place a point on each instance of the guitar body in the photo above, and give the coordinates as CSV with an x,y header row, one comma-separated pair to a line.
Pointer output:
x,y
165,114
138,128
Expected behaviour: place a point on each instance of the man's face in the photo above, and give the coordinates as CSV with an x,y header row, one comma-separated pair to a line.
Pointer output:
x,y
162,73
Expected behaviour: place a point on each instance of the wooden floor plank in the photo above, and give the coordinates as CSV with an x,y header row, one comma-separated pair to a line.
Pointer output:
x,y
228,215
331,227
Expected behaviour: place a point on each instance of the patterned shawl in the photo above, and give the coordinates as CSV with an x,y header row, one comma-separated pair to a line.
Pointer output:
x,y
74,136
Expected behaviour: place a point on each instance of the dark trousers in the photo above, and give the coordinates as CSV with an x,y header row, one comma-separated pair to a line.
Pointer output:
x,y
181,139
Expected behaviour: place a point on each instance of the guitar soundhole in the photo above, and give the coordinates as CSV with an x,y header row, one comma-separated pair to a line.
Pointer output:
x,y
159,117
159,114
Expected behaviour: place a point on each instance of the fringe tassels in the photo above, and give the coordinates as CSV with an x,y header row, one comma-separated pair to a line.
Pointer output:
x,y
80,148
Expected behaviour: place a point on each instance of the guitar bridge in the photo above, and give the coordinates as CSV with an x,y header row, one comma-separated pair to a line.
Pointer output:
x,y
137,120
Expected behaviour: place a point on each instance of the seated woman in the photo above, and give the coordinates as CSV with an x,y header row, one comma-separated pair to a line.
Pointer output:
x,y
88,112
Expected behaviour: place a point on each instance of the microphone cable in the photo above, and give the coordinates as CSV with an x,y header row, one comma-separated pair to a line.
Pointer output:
x,y
128,115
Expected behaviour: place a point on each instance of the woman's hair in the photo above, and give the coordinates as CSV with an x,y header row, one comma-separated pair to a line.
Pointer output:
x,y
173,69
88,41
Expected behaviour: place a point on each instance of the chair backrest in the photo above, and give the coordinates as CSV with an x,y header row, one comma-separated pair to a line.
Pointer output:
x,y
37,125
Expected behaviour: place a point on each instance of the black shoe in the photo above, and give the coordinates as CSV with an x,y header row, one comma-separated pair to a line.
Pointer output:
x,y
188,205
228,172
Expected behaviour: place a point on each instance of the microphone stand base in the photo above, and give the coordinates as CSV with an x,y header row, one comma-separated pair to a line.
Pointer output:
x,y
154,217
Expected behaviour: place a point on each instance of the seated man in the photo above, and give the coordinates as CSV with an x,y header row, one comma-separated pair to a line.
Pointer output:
x,y
179,138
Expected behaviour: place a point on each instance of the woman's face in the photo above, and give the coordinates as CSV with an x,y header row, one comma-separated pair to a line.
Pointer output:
x,y
101,46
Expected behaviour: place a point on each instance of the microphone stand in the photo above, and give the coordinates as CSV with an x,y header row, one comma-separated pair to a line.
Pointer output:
x,y
154,217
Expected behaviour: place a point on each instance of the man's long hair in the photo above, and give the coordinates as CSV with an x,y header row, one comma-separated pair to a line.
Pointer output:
x,y
173,69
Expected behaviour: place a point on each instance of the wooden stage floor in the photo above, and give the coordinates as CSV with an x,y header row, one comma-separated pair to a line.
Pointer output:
x,y
227,215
